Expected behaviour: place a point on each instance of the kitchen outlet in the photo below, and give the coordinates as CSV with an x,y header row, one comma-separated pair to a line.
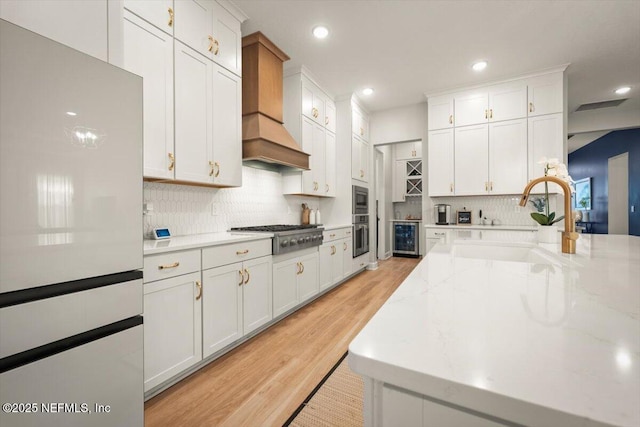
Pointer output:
x,y
633,208
214,209
147,209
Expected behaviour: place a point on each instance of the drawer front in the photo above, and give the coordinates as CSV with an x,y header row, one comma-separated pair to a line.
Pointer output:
x,y
162,266
432,233
216,256
337,234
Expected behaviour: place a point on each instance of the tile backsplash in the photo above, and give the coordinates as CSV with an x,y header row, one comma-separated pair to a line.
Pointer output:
x,y
192,210
505,210
411,207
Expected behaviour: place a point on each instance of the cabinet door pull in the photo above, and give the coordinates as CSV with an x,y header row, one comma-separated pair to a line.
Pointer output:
x,y
486,186
491,185
486,114
299,270
531,107
172,161
450,119
164,267
241,277
210,48
212,168
326,120
217,49
361,132
451,188
170,10
302,266
332,236
248,276
217,169
327,188
344,246
246,251
491,113
199,286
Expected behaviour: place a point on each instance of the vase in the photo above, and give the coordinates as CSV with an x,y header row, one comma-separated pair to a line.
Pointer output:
x,y
547,234
585,216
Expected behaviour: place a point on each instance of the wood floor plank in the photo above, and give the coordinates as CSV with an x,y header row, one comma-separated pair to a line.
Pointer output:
x,y
263,381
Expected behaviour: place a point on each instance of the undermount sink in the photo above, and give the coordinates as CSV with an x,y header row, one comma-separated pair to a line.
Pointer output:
x,y
501,251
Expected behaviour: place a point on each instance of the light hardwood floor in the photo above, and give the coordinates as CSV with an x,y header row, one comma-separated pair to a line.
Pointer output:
x,y
263,381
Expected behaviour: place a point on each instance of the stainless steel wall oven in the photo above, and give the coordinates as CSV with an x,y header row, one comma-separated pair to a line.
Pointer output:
x,y
360,235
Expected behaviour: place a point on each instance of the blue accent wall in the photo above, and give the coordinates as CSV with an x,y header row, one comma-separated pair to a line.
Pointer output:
x,y
592,161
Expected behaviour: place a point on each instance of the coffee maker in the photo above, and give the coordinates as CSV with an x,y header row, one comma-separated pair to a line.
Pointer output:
x,y
442,214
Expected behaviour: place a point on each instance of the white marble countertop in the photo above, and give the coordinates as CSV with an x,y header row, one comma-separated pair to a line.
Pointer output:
x,y
405,220
548,340
485,227
180,243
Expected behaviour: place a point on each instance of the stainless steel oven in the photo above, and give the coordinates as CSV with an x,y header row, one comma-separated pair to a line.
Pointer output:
x,y
360,235
360,200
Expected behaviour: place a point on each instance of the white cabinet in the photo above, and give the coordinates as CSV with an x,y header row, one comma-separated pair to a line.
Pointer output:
x,y
507,156
148,52
360,124
546,139
495,103
407,179
546,95
160,13
236,295
227,39
359,159
335,257
82,25
331,117
226,153
471,160
236,301
313,127
441,166
491,159
194,25
294,281
193,115
440,112
408,150
172,315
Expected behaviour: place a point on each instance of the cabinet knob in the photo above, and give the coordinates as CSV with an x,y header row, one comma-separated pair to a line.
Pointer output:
x,y
172,161
170,23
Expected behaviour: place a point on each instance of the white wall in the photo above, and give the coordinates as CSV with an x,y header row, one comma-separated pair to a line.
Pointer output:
x,y
407,123
604,119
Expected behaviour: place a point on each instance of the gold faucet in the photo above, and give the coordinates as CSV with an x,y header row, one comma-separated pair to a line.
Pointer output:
x,y
569,235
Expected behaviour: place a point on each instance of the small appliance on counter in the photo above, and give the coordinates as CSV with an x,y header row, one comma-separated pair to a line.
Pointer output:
x,y
442,214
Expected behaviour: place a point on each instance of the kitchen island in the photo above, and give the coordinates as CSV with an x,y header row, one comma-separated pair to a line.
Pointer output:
x,y
497,330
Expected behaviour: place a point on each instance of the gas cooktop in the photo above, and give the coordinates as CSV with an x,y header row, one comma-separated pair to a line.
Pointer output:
x,y
288,238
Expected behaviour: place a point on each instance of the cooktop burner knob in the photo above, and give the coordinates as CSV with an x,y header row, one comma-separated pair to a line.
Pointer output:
x,y
284,243
307,239
293,242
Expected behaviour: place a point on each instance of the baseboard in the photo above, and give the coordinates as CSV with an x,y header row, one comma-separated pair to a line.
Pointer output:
x,y
372,266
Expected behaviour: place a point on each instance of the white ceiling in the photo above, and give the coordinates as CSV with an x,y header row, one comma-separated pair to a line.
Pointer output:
x,y
405,48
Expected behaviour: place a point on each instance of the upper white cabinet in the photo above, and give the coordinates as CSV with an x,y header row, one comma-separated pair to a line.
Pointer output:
x,y
441,154
82,25
310,117
160,13
440,112
492,104
408,150
227,39
360,124
546,94
499,133
359,159
196,137
148,52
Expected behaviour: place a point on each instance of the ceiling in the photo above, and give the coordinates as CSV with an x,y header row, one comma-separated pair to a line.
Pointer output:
x,y
406,48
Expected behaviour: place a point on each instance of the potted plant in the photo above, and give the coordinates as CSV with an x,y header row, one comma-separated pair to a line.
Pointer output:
x,y
548,233
584,202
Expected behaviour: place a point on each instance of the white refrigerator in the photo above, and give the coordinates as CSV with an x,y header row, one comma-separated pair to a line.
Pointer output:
x,y
70,237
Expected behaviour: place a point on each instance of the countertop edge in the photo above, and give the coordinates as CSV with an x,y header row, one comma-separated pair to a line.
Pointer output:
x,y
198,241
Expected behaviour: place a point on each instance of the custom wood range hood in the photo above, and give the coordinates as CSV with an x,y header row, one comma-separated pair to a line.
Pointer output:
x,y
264,138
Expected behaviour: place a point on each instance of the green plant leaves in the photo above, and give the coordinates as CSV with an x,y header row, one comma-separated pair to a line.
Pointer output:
x,y
542,219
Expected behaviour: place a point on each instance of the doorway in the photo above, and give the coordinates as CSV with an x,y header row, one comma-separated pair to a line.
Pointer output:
x,y
380,203
618,191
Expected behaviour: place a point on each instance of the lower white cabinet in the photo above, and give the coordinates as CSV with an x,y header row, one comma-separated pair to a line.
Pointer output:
x,y
172,327
335,256
295,280
236,300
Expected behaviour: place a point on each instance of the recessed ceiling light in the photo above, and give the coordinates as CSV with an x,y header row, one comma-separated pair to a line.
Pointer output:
x,y
622,90
320,32
480,65
71,113
367,91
